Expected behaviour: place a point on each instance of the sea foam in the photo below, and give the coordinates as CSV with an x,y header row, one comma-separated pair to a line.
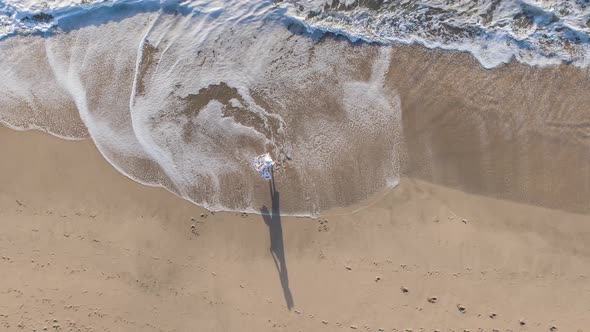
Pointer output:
x,y
182,95
535,32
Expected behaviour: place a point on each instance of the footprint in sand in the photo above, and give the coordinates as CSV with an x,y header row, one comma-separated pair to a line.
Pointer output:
x,y
323,225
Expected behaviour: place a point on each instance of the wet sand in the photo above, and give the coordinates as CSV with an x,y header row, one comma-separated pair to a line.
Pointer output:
x,y
85,249
515,132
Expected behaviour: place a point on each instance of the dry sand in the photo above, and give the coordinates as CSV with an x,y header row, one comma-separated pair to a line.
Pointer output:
x,y
85,249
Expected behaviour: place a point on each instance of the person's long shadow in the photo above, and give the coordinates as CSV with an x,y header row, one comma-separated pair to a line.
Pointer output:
x,y
277,250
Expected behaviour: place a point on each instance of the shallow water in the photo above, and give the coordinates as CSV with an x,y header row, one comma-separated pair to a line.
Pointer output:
x,y
185,100
184,94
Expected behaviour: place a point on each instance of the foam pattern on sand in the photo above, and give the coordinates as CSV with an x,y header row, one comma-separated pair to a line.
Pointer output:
x,y
183,94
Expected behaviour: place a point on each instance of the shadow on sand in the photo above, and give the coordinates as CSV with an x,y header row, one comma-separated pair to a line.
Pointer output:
x,y
277,250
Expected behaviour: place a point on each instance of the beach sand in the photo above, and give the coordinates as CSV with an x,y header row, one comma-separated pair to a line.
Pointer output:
x,y
85,249
487,229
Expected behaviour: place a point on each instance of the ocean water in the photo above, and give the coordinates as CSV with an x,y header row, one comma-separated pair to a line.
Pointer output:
x,y
183,94
536,32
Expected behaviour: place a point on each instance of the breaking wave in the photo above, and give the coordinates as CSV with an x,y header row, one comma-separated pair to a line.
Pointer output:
x,y
535,32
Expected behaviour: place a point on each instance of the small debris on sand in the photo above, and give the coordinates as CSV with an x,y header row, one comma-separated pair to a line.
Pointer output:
x,y
461,308
377,278
324,322
353,327
464,221
522,322
381,329
348,267
553,329
493,315
432,299
404,289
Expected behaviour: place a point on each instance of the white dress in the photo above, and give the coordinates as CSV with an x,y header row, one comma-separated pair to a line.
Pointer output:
x,y
263,165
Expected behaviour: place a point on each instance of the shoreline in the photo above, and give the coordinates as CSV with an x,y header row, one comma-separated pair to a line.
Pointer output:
x,y
486,229
516,133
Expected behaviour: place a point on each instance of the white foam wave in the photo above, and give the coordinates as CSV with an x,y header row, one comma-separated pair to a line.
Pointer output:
x,y
533,32
180,96
536,32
